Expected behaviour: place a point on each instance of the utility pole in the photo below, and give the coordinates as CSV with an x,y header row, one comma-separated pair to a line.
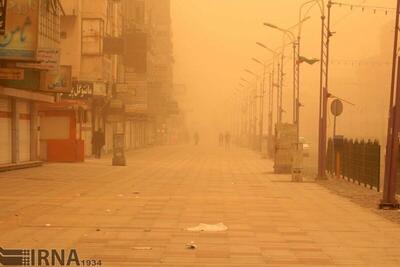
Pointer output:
x,y
278,78
295,59
255,117
298,103
262,97
392,146
249,117
280,112
271,108
324,79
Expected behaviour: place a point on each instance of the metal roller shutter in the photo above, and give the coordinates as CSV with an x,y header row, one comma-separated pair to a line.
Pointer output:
x,y
24,130
5,131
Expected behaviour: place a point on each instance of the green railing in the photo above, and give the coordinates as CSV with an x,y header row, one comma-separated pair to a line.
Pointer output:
x,y
356,161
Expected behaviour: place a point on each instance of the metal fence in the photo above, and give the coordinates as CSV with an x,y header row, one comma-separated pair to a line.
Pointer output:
x,y
354,160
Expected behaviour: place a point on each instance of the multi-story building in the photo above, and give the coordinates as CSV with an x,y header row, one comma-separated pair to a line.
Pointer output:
x,y
139,126
161,104
63,61
148,69
81,110
29,54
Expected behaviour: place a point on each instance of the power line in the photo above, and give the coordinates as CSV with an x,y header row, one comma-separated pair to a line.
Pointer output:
x,y
363,8
356,63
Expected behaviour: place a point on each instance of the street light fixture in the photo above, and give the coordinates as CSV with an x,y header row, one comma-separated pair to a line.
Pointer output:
x,y
256,60
266,47
243,79
270,98
287,31
254,108
296,57
280,77
252,73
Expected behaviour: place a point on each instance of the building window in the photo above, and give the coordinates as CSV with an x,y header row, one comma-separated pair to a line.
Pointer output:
x,y
49,24
92,37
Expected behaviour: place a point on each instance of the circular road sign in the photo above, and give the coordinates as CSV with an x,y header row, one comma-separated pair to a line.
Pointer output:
x,y
337,107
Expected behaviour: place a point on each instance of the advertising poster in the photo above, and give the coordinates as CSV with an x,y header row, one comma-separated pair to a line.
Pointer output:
x,y
58,80
19,41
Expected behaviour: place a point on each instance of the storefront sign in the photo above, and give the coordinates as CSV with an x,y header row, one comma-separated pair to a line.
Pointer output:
x,y
30,81
99,89
19,41
80,90
58,80
48,59
84,89
11,74
3,13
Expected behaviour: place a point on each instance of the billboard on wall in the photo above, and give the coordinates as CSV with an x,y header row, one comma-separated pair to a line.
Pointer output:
x,y
58,80
19,41
92,36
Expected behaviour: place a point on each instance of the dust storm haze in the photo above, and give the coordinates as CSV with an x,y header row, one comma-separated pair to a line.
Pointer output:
x,y
225,133
214,41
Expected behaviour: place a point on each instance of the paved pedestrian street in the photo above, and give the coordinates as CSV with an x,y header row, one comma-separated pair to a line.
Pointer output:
x,y
138,215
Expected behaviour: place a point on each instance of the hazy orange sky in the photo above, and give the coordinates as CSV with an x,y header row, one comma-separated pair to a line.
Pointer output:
x,y
214,41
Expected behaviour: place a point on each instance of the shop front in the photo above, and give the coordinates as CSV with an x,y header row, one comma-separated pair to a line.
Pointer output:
x,y
62,125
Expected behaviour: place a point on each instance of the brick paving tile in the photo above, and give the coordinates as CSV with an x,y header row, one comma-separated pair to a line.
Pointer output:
x,y
137,215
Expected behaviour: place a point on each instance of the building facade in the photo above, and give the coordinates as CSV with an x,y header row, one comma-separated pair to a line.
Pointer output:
x,y
29,52
63,61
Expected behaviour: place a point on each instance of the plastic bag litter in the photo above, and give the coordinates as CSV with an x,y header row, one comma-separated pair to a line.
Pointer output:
x,y
202,227
142,248
191,245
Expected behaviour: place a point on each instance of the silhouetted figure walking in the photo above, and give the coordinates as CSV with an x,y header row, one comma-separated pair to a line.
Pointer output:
x,y
98,141
221,139
196,139
227,140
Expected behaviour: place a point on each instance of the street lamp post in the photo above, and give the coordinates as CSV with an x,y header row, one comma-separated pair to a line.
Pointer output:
x,y
254,135
279,80
324,78
270,97
294,45
296,57
261,96
239,115
252,114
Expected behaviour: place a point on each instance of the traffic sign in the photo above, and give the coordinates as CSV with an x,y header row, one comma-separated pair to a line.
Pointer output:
x,y
11,74
337,107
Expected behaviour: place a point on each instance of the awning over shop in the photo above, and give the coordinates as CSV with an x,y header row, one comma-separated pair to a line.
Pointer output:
x,y
65,104
28,95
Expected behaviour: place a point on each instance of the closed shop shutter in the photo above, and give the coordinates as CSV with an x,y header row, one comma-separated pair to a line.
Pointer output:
x,y
5,131
136,137
109,137
133,134
24,130
128,135
87,137
87,133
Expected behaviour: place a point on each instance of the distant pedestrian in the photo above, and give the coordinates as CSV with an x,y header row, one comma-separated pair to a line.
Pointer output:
x,y
196,138
227,140
98,141
221,139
